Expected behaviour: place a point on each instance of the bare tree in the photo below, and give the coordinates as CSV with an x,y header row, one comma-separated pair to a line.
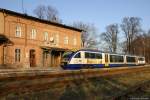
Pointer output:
x,y
131,28
88,35
52,14
141,45
144,44
47,12
40,11
111,36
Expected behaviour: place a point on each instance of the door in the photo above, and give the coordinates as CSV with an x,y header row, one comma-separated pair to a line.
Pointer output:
x,y
55,60
45,58
32,58
106,60
1,55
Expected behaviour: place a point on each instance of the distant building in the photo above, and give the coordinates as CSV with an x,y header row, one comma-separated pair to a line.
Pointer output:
x,y
35,42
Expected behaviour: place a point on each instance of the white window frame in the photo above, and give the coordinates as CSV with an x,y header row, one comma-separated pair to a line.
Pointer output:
x,y
17,55
33,34
45,36
56,39
66,40
18,31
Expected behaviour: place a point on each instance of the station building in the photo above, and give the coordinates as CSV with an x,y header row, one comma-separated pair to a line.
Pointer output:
x,y
33,42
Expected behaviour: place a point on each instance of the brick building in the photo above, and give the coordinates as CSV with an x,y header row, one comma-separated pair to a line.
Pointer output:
x,y
35,42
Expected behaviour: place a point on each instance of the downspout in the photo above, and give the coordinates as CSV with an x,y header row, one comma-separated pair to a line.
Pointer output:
x,y
3,62
26,55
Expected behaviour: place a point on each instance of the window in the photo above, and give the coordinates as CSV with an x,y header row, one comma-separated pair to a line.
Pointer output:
x,y
18,31
74,41
17,55
46,36
57,39
66,40
116,58
141,59
93,55
33,34
98,56
67,54
120,59
112,58
87,55
78,55
130,59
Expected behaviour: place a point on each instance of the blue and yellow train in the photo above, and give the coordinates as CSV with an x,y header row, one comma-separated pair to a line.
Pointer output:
x,y
96,59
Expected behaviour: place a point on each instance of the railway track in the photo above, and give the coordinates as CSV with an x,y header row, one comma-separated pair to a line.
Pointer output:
x,y
9,74
22,80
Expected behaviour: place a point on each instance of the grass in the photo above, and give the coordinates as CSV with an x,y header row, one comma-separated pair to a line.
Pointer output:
x,y
99,88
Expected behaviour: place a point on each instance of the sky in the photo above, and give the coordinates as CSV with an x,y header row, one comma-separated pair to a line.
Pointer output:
x,y
98,12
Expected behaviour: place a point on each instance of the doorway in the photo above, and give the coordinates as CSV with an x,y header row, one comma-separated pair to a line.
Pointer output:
x,y
32,58
55,58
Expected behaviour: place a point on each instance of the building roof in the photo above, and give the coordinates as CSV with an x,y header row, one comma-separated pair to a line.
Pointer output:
x,y
5,40
37,19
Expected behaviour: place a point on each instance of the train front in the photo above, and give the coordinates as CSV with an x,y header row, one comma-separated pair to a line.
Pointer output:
x,y
66,59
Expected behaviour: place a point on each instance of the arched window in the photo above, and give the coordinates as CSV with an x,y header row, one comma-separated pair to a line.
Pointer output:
x,y
33,34
74,41
66,40
46,36
18,31
17,55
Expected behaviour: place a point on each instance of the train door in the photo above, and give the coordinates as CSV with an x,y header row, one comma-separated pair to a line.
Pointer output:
x,y
106,60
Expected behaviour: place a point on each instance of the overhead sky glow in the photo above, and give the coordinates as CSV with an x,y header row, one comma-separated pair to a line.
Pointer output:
x,y
98,12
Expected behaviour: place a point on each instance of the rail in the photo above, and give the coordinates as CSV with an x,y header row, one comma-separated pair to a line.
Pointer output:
x,y
12,80
13,73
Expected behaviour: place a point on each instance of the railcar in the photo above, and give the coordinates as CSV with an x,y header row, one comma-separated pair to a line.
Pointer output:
x,y
97,59
116,60
141,60
83,59
131,60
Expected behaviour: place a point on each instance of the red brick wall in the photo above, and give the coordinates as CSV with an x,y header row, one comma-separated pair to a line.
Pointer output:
x,y
25,43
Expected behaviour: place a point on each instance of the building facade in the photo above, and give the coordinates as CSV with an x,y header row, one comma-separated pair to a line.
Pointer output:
x,y
35,42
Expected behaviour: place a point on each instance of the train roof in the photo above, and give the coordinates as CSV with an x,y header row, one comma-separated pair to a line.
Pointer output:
x,y
95,50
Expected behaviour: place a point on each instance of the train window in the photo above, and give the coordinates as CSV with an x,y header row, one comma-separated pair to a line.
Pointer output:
x,y
98,56
116,58
67,54
92,55
78,55
87,55
141,59
120,58
131,59
112,58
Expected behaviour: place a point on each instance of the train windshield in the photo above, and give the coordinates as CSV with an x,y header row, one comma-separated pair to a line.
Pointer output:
x,y
67,55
